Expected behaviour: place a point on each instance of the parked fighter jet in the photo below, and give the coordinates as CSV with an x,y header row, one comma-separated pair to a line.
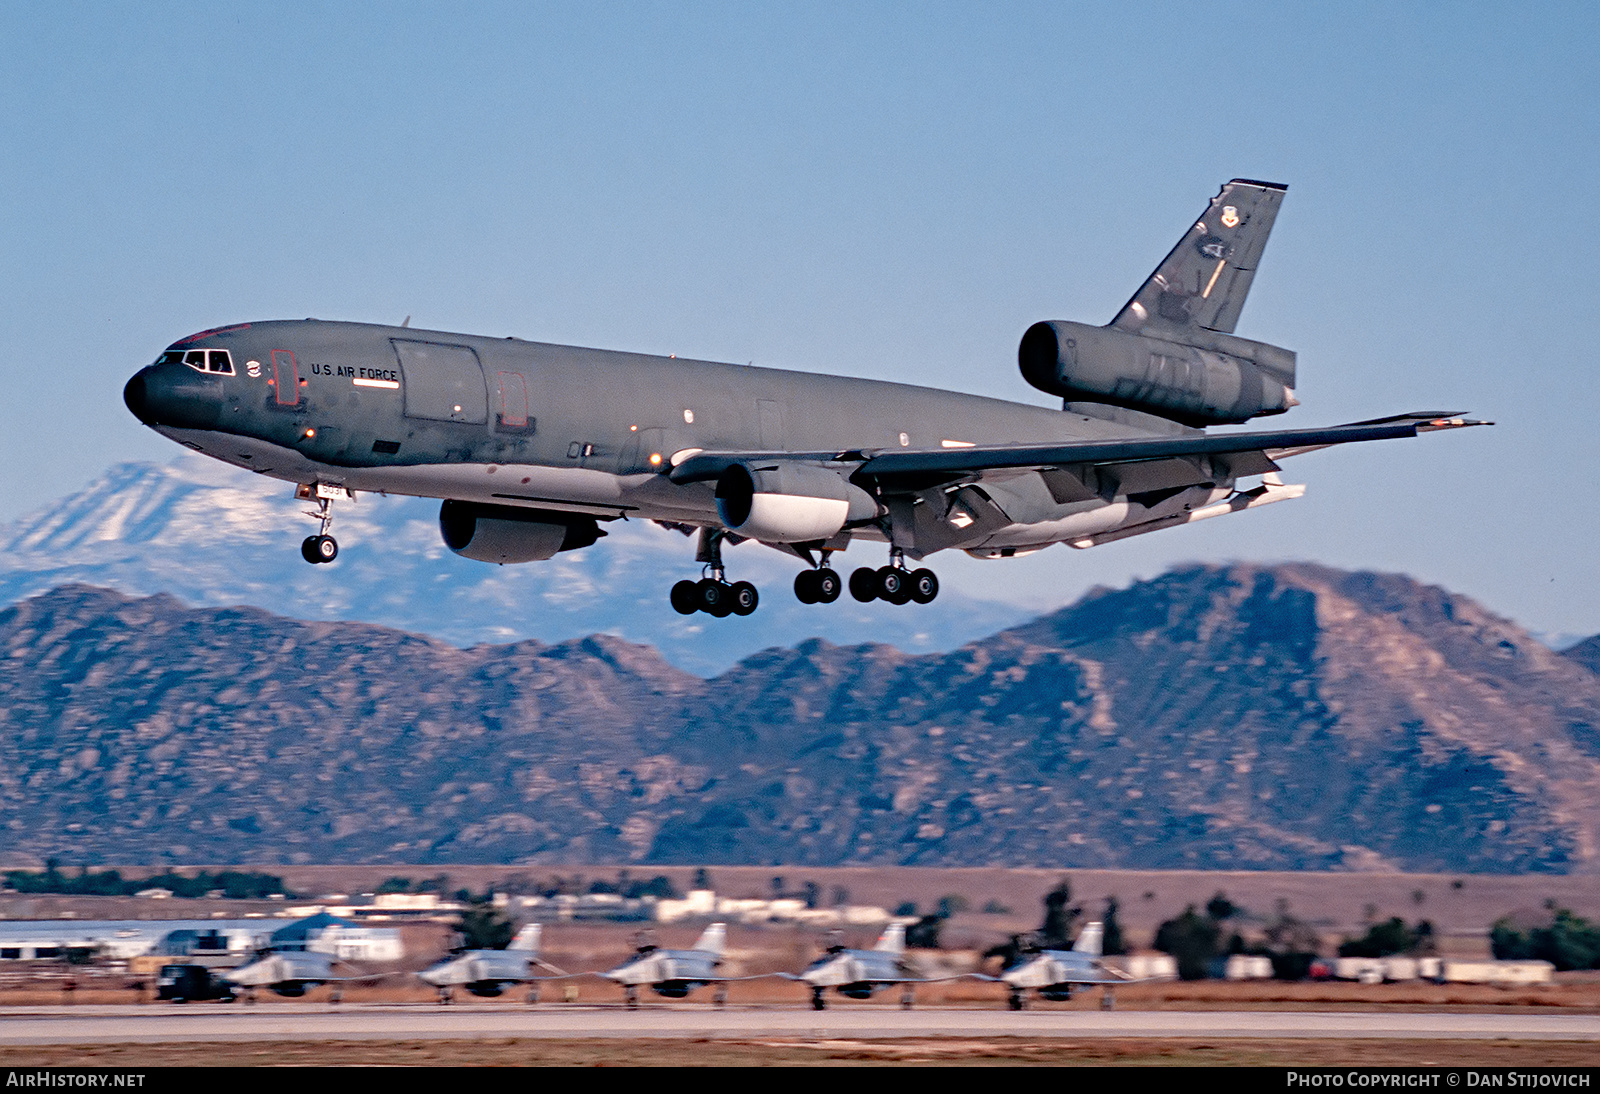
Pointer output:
x,y
856,974
1055,973
290,973
675,973
488,973
533,447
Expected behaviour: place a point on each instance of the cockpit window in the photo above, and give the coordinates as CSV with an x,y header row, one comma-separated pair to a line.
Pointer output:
x,y
201,360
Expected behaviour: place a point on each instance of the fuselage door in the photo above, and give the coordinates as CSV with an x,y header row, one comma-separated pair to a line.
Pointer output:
x,y
511,409
443,383
285,378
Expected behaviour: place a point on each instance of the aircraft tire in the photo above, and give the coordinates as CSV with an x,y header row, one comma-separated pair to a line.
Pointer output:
x,y
864,585
924,586
893,586
743,598
685,598
308,549
326,548
1016,1002
818,1002
828,585
714,598
805,587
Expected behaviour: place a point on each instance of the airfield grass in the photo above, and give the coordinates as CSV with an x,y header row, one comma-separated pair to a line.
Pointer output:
x,y
941,1052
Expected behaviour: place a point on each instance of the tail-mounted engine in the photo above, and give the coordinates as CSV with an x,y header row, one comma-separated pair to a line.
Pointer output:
x,y
502,533
1232,380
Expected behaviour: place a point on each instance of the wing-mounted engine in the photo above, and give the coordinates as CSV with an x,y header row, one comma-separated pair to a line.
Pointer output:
x,y
1226,380
503,533
789,502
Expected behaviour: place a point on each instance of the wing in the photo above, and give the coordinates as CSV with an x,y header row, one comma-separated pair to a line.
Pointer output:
x,y
918,469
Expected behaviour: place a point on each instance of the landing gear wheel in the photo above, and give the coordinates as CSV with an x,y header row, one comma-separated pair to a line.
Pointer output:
x,y
893,586
864,585
319,549
714,598
828,585
1016,1001
743,598
924,586
719,998
817,1001
806,588
685,598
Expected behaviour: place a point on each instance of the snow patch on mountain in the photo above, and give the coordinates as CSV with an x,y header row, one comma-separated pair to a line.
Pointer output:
x,y
213,535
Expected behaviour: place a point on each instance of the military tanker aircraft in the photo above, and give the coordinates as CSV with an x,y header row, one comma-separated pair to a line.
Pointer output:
x,y
535,447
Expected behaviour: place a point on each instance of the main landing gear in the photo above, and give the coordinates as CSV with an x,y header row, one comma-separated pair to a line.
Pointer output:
x,y
821,585
321,547
894,583
713,594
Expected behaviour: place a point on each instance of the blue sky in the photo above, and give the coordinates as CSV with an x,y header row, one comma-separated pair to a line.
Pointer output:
x,y
887,190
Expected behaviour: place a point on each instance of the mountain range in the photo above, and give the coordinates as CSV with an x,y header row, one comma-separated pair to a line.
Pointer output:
x,y
215,535
1270,717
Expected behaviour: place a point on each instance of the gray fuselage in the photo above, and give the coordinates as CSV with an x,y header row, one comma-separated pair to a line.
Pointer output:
x,y
564,429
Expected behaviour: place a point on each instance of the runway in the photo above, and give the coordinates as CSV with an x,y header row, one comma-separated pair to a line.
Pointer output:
x,y
151,1024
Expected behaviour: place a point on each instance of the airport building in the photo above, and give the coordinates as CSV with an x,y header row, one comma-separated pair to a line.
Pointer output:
x,y
125,939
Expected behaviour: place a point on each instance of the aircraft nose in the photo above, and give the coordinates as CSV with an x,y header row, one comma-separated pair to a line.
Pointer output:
x,y
135,396
173,395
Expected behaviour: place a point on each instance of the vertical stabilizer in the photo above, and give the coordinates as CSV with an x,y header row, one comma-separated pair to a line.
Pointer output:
x,y
1203,282
1089,939
527,939
714,940
893,939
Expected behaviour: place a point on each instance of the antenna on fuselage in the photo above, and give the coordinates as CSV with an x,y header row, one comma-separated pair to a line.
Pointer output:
x,y
406,322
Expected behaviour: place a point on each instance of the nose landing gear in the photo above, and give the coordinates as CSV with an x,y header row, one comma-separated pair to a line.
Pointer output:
x,y
321,547
315,549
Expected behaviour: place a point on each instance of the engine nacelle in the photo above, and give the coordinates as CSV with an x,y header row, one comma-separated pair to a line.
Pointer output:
x,y
789,502
1185,383
502,533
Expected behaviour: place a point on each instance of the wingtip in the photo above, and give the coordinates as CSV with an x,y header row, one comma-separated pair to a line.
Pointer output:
x,y
1435,424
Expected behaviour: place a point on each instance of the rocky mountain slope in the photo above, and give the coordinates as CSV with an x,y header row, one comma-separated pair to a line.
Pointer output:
x,y
1222,717
217,536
